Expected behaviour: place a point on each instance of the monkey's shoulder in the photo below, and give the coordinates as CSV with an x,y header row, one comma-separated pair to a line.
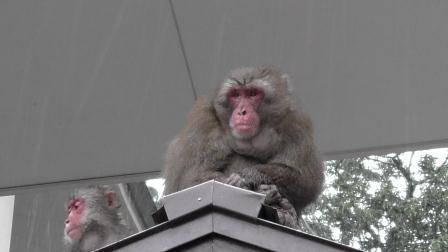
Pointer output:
x,y
202,116
295,122
203,130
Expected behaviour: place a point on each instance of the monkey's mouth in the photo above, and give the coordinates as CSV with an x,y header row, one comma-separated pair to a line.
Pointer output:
x,y
244,127
244,130
72,231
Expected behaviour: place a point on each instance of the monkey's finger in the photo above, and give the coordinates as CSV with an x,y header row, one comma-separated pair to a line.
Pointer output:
x,y
264,187
236,180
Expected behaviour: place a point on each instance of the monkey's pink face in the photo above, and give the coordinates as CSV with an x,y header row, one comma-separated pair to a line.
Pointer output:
x,y
76,212
244,121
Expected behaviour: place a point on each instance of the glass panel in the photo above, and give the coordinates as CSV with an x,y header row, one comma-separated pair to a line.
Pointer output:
x,y
39,215
398,201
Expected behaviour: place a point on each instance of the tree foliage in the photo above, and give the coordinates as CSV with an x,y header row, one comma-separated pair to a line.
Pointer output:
x,y
397,202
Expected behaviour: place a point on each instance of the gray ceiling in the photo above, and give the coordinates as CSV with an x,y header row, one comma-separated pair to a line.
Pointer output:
x,y
95,89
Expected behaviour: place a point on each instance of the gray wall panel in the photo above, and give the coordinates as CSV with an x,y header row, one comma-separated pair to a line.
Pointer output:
x,y
88,89
373,74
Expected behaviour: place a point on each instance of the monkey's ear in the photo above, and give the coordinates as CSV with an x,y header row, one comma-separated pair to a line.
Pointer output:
x,y
111,199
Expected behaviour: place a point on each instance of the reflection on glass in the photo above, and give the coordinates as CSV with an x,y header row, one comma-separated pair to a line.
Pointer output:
x,y
156,187
40,216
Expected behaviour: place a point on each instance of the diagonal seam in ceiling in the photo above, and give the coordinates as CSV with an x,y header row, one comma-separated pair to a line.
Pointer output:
x,y
182,47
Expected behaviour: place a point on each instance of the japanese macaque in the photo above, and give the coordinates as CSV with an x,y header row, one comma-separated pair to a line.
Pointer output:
x,y
93,220
250,136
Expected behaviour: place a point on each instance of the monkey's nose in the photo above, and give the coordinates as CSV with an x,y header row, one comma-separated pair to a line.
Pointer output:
x,y
242,112
67,221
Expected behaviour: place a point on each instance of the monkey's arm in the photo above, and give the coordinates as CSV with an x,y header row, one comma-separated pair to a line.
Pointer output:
x,y
297,173
291,184
295,168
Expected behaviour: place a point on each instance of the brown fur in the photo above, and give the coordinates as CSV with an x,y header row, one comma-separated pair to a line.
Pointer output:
x,y
283,153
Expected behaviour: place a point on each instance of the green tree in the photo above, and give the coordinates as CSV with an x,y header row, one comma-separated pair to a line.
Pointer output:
x,y
397,202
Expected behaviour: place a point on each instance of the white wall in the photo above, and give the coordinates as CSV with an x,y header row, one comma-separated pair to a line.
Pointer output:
x,y
6,212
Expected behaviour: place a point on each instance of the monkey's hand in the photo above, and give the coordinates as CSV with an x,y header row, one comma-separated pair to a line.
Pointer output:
x,y
236,180
247,178
290,183
271,192
286,213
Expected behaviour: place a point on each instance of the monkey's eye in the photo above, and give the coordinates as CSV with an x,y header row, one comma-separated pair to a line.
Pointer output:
x,y
234,93
254,93
73,206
